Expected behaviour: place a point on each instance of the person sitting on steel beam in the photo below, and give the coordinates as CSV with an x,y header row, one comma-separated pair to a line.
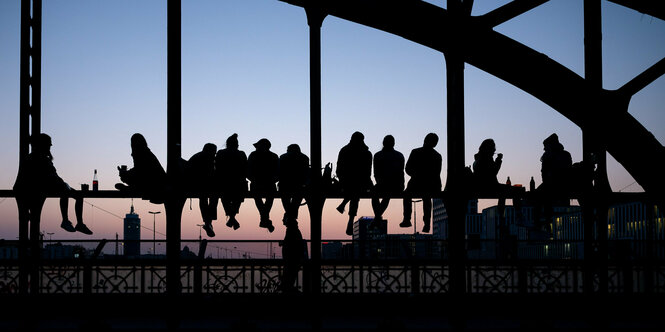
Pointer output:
x,y
262,171
37,178
231,179
293,178
424,168
147,178
389,177
354,170
199,172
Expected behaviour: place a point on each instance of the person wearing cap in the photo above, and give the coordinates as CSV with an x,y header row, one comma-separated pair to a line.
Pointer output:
x,y
262,172
424,168
354,170
231,179
36,179
293,177
199,172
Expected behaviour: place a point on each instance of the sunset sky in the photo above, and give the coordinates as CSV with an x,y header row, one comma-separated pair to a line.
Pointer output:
x,y
245,70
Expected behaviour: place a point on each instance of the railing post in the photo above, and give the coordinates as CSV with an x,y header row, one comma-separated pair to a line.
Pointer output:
x,y
316,200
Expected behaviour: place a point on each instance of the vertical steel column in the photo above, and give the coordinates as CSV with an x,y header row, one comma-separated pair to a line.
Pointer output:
x,y
315,17
595,255
455,200
174,203
29,124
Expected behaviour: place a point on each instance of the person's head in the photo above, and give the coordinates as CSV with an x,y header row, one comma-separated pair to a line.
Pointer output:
x,y
431,140
232,141
552,143
263,144
210,148
389,141
293,148
487,147
138,142
41,143
357,137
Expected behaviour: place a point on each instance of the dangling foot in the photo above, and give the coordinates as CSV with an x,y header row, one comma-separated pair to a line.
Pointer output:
x,y
233,223
349,227
405,223
81,227
267,223
426,227
67,225
207,226
340,208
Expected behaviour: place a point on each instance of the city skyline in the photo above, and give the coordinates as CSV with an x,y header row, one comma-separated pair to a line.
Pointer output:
x,y
245,69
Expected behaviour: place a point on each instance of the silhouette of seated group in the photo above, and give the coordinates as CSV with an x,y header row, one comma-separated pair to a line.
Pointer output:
x,y
223,175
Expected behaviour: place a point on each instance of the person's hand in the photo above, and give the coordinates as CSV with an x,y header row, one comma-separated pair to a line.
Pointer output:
x,y
499,156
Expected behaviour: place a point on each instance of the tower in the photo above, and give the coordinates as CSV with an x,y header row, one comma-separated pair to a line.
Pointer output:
x,y
132,233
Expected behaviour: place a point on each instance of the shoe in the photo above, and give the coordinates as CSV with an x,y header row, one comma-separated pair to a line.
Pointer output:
x,y
340,208
208,228
426,228
233,223
267,223
81,227
349,228
67,225
121,187
405,223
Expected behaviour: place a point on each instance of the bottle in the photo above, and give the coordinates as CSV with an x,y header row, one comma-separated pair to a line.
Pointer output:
x,y
95,183
508,181
532,185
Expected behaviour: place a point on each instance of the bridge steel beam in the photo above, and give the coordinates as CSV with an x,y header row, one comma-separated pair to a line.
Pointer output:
x,y
174,203
29,124
594,206
316,200
523,67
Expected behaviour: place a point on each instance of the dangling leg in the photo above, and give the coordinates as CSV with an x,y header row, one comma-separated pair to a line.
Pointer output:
x,y
78,209
406,206
427,213
66,224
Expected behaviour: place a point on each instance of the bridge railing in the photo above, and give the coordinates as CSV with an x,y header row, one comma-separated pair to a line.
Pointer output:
x,y
359,271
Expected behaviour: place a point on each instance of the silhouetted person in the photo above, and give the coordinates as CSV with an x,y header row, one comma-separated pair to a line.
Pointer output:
x,y
294,253
38,178
147,178
200,172
485,170
354,170
231,178
389,176
262,171
556,166
424,168
293,177
485,167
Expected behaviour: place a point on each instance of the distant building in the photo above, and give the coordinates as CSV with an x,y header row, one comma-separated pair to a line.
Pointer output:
x,y
367,239
132,234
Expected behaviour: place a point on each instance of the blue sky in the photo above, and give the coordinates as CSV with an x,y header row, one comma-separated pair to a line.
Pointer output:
x,y
245,70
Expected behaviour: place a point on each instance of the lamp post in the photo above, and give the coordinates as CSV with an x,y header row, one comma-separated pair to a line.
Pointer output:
x,y
153,230
200,228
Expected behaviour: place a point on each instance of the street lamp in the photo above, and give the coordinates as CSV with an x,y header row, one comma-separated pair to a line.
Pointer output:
x,y
153,229
200,228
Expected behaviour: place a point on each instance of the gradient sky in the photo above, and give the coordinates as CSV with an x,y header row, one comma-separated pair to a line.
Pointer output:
x,y
245,70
